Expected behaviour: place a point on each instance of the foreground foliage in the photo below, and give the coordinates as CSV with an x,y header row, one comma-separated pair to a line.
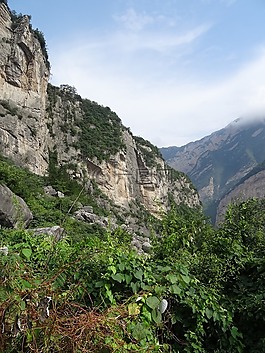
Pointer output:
x,y
200,290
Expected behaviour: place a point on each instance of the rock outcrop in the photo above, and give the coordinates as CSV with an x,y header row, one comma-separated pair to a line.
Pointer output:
x,y
56,232
24,75
14,212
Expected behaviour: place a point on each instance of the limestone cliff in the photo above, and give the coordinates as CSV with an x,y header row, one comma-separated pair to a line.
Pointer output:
x,y
40,122
24,75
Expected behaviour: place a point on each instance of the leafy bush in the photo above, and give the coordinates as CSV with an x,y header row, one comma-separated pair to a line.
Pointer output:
x,y
200,290
40,36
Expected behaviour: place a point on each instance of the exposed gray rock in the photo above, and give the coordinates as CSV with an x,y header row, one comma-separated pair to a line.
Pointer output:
x,y
55,231
60,194
37,119
14,211
141,244
49,190
147,247
4,250
136,244
88,209
86,214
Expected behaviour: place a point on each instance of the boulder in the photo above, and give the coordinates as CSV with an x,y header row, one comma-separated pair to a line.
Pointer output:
x,y
4,250
141,244
14,211
85,216
147,247
49,190
88,209
55,231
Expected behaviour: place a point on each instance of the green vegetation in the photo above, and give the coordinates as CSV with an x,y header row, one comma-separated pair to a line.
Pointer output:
x,y
200,290
148,150
40,36
98,130
101,132
16,19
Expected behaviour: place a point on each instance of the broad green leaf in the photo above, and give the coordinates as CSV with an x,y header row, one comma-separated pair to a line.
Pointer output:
x,y
29,336
128,278
153,302
235,333
25,284
175,289
99,284
139,332
27,253
145,313
119,277
135,287
164,268
186,279
121,266
184,271
156,316
172,278
112,269
208,313
216,316
138,274
145,287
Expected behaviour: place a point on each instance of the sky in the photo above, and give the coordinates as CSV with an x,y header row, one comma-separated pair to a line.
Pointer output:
x,y
174,71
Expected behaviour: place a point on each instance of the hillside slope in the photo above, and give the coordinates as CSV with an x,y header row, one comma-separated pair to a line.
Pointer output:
x,y
218,162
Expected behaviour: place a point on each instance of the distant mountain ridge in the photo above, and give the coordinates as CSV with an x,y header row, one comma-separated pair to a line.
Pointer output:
x,y
218,162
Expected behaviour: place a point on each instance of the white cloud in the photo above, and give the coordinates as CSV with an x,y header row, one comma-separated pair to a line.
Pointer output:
x,y
161,42
166,108
136,34
134,21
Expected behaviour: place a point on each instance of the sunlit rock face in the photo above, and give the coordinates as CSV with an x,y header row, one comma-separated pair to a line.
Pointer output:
x,y
127,178
24,70
24,74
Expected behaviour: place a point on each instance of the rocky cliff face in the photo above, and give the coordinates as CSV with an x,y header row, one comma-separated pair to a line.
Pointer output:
x,y
24,74
133,171
40,123
218,162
